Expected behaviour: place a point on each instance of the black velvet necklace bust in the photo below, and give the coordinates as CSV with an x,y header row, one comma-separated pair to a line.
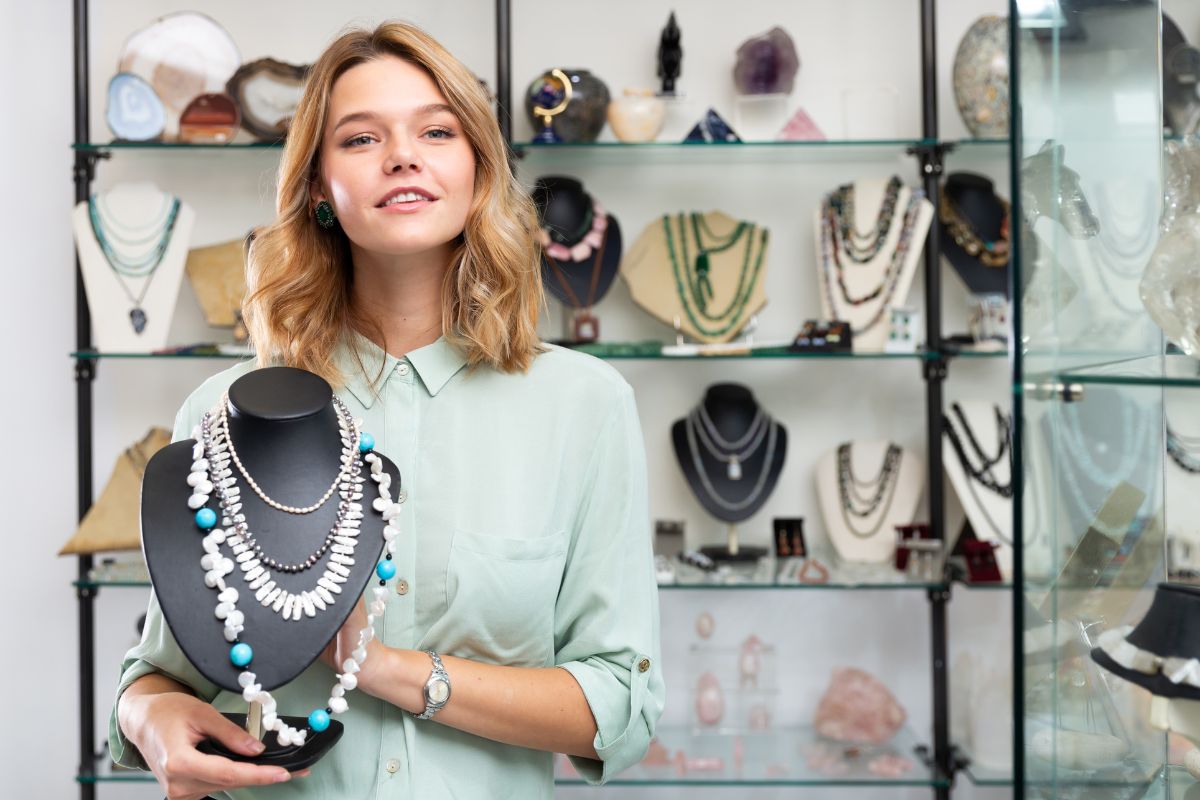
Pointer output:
x,y
564,210
285,429
1170,629
975,198
732,409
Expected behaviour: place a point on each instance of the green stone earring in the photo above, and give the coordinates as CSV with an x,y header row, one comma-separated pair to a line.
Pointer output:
x,y
325,216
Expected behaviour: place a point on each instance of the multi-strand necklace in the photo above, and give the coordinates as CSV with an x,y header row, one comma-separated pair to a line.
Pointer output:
x,y
693,283
834,270
882,488
133,252
981,472
211,474
862,247
768,431
989,252
736,452
1180,449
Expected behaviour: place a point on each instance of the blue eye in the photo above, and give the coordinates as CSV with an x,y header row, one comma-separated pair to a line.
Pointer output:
x,y
351,142
446,133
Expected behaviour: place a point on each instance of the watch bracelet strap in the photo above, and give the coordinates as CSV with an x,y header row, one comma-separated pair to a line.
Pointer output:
x,y
439,671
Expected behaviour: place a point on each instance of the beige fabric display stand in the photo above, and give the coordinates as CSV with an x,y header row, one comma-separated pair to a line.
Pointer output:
x,y
648,271
218,276
114,520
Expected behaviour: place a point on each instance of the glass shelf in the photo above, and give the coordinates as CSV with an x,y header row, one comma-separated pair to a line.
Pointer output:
x,y
780,757
1165,370
105,583
981,776
615,351
767,574
92,147
692,152
949,351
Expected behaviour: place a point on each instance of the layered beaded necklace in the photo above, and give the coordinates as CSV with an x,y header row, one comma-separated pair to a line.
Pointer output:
x,y
982,472
133,252
692,278
862,247
832,247
883,486
211,475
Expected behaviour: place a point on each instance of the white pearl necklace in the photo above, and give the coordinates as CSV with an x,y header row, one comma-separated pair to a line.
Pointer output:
x,y
212,453
343,474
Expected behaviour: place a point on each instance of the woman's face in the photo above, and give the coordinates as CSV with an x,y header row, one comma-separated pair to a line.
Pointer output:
x,y
395,162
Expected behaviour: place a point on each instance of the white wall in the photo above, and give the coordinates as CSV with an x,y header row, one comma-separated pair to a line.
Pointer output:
x,y
842,45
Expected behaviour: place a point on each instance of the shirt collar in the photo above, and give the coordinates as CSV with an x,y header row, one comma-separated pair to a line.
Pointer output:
x,y
435,363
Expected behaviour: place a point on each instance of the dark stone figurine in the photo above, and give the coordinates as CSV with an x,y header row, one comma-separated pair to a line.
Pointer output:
x,y
670,56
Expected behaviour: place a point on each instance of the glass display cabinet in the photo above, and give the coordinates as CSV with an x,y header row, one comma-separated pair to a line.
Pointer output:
x,y
1105,407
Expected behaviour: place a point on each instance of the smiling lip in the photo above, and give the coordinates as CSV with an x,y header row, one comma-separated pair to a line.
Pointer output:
x,y
428,196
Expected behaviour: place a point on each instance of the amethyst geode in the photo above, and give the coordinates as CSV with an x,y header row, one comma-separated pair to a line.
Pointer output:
x,y
767,64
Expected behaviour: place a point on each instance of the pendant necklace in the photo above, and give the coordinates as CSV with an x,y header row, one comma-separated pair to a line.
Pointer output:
x,y
732,453
750,499
583,318
144,265
691,291
211,474
885,489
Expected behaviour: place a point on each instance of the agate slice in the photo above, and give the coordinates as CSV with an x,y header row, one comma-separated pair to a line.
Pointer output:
x,y
134,112
210,119
267,92
181,56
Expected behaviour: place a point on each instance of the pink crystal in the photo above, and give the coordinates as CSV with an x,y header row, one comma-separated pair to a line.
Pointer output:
x,y
801,128
710,703
858,708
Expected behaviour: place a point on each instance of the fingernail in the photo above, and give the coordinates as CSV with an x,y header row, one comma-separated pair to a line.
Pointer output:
x,y
283,776
255,746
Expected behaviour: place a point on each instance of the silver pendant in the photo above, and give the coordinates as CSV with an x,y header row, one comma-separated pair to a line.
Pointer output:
x,y
735,469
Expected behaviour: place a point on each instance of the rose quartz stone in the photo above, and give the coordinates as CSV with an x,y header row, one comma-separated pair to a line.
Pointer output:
x,y
710,703
801,128
858,708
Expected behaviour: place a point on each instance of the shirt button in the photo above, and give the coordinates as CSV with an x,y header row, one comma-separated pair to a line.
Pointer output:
x,y
402,369
643,665
402,587
392,766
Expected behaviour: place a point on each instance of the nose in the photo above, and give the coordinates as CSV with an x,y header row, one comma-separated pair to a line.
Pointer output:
x,y
402,155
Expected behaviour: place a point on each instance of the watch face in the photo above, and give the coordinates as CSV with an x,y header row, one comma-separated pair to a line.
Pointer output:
x,y
438,691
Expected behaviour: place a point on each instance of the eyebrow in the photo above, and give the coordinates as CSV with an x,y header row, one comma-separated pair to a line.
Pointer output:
x,y
371,116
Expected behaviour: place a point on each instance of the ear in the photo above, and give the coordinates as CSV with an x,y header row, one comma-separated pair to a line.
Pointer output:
x,y
316,189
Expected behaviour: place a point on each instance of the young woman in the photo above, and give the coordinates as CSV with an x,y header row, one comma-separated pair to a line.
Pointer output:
x,y
403,268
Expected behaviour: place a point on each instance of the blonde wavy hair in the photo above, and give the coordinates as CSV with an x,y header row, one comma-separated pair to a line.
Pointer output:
x,y
298,308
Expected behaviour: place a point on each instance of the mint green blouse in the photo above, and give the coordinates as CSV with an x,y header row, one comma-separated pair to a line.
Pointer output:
x,y
525,541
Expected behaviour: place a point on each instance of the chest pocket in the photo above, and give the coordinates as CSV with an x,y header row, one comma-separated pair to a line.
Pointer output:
x,y
500,595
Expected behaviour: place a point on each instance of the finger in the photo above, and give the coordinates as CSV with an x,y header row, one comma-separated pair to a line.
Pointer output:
x,y
225,774
218,727
304,773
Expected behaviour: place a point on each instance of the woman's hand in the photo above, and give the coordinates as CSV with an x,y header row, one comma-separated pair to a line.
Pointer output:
x,y
345,643
166,727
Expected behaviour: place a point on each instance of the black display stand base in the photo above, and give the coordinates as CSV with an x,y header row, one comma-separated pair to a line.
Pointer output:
x,y
291,758
721,553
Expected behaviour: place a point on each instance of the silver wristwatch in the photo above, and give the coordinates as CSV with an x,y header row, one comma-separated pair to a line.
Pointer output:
x,y
437,688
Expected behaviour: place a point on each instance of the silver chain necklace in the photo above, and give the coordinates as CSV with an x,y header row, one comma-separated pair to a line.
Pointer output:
x,y
709,489
717,446
885,492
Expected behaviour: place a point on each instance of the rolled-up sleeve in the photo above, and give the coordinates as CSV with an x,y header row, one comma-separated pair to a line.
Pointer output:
x,y
606,617
156,652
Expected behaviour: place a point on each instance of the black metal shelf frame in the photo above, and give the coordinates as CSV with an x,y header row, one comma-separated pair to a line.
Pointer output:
x,y
929,152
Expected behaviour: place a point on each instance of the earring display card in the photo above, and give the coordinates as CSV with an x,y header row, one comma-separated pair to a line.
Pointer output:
x,y
789,537
823,335
905,533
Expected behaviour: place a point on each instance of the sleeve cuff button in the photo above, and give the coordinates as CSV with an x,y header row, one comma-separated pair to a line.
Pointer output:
x,y
643,665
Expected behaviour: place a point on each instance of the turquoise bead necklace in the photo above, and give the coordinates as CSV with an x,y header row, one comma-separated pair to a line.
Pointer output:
x,y
211,474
